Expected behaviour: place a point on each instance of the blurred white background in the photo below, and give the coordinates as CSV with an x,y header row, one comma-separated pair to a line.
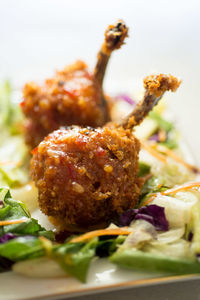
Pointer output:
x,y
39,36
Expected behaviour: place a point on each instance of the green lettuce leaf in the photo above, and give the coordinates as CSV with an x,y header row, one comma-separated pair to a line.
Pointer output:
x,y
162,123
144,169
75,258
21,248
108,245
14,210
151,186
144,261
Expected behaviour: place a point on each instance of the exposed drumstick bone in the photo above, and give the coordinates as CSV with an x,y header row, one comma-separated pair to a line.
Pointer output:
x,y
155,87
114,38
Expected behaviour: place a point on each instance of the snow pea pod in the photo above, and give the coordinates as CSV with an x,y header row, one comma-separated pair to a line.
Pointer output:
x,y
139,260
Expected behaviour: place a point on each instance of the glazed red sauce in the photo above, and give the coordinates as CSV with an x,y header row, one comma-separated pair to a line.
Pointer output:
x,y
34,151
100,151
22,103
72,172
71,93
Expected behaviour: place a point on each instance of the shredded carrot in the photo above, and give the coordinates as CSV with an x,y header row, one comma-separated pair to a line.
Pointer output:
x,y
184,187
101,232
153,152
162,135
148,201
146,177
11,222
173,155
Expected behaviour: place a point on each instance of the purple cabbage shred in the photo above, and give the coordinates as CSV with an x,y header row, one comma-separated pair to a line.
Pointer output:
x,y
154,138
153,214
126,218
6,237
126,98
190,236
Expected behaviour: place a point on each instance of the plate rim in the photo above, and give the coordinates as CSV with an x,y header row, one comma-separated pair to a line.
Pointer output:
x,y
117,286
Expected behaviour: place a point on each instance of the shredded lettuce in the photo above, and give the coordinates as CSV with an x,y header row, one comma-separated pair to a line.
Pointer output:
x,y
142,232
13,151
178,212
5,103
169,251
152,185
10,113
177,249
172,135
195,227
162,123
171,173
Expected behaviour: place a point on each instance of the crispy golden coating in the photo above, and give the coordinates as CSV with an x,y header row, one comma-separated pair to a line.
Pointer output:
x,y
115,36
86,176
71,97
158,84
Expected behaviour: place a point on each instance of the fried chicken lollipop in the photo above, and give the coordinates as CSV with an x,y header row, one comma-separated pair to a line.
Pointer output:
x,y
73,97
86,176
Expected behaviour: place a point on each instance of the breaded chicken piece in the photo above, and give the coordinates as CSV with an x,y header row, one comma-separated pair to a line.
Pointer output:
x,y
73,97
87,176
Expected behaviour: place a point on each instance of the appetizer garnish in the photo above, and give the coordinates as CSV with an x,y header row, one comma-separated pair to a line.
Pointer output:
x,y
87,176
74,96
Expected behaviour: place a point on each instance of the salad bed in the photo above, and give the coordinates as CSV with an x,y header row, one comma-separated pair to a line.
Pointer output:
x,y
161,234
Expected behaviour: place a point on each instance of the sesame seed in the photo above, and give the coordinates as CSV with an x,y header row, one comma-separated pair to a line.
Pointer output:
x,y
77,187
108,168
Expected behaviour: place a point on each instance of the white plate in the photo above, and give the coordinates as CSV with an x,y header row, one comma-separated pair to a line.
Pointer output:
x,y
102,274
